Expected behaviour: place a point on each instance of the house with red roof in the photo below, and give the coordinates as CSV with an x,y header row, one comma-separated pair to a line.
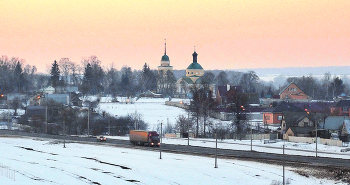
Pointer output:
x,y
292,91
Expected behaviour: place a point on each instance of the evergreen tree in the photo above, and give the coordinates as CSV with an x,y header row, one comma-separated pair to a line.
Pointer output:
x,y
18,77
127,83
55,75
337,86
87,79
148,79
170,81
112,81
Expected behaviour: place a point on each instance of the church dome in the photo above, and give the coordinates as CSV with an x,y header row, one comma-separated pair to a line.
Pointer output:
x,y
165,57
194,65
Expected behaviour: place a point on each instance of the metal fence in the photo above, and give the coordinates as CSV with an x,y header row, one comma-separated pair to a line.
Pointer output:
x,y
8,172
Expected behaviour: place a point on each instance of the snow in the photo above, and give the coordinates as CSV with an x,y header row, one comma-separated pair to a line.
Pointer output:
x,y
153,110
28,161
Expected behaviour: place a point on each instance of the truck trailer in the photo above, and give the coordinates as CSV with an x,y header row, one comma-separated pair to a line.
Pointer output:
x,y
144,137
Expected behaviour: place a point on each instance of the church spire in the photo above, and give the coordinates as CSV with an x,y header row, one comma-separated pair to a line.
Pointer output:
x,y
165,47
194,55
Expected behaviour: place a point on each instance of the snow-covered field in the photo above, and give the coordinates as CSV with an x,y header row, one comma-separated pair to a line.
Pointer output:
x,y
153,110
28,161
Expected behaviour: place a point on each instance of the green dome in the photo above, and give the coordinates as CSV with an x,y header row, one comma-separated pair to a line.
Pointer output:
x,y
194,65
165,58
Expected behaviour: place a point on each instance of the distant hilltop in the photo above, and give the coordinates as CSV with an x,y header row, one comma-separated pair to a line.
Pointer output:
x,y
269,73
300,71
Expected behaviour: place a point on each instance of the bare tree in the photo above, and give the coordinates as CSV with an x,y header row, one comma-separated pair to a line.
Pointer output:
x,y
183,125
66,68
248,81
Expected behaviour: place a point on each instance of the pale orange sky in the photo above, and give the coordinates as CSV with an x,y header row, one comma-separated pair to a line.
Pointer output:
x,y
227,34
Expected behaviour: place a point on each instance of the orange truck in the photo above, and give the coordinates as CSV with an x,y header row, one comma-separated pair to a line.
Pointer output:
x,y
144,137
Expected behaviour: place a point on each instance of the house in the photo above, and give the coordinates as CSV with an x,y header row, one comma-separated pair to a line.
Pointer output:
x,y
48,90
150,94
225,95
60,98
345,131
341,108
297,124
221,92
35,113
8,100
333,124
273,114
292,91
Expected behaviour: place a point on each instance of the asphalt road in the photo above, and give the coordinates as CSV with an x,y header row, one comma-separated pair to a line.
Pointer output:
x,y
196,150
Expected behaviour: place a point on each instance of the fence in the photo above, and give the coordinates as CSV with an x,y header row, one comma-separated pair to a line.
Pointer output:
x,y
8,172
329,142
260,136
176,104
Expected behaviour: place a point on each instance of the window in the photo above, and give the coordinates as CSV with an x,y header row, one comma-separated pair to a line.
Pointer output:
x,y
279,118
306,124
344,109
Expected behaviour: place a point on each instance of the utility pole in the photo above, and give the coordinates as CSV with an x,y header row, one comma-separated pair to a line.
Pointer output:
x,y
8,113
283,168
316,138
251,139
109,125
46,118
160,147
216,151
188,129
88,120
64,134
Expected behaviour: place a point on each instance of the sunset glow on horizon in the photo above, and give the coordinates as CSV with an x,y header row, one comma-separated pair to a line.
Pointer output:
x,y
233,34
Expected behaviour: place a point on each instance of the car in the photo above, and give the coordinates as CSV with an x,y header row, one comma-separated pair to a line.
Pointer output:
x,y
101,138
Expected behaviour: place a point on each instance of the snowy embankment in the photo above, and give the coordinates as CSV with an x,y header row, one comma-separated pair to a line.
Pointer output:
x,y
27,161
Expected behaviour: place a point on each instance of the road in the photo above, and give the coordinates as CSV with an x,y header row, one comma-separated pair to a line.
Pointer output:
x,y
198,150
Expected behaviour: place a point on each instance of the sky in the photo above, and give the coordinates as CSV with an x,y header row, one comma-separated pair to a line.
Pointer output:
x,y
235,34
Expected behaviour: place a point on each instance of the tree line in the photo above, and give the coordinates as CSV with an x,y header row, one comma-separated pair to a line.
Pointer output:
x,y
93,78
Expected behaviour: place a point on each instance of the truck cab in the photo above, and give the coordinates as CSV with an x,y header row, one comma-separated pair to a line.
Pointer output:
x,y
154,139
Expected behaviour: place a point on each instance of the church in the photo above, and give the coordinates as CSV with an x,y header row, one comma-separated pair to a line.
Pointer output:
x,y
193,76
